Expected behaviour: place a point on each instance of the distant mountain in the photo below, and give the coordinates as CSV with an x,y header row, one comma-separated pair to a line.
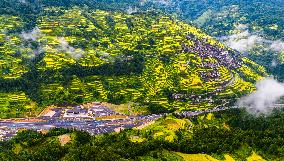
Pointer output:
x,y
220,17
260,15
74,55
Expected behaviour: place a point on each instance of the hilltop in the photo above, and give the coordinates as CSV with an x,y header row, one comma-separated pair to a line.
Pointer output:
x,y
81,55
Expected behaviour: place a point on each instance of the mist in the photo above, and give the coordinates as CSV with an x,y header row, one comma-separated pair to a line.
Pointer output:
x,y
22,1
268,92
244,41
65,47
162,2
277,46
33,35
131,10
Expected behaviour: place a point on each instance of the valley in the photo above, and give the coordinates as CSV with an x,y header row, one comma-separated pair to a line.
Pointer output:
x,y
141,80
95,120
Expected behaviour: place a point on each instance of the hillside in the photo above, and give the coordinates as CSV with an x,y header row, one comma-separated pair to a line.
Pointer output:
x,y
219,18
259,15
254,27
79,55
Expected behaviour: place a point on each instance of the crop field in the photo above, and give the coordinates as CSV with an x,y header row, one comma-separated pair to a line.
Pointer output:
x,y
158,62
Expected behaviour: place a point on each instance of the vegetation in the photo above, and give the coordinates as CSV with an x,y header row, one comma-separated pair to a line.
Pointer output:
x,y
74,51
225,18
76,55
231,135
220,18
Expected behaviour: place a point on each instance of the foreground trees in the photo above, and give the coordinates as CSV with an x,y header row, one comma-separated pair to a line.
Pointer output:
x,y
263,135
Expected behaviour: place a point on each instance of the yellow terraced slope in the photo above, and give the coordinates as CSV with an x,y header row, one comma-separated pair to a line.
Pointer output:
x,y
157,61
197,157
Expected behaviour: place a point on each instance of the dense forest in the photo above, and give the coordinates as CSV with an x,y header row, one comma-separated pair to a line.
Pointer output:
x,y
257,14
218,18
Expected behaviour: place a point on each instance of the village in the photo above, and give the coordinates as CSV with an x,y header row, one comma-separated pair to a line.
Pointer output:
x,y
94,118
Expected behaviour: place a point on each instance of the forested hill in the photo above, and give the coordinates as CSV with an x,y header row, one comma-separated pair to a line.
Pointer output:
x,y
219,18
29,10
74,55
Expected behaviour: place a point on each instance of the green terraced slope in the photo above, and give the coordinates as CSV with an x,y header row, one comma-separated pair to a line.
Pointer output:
x,y
74,56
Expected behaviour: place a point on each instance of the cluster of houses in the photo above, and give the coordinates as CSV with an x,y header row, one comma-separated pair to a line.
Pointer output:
x,y
4,135
90,111
94,118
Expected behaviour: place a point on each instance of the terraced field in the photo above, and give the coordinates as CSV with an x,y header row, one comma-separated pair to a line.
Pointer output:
x,y
75,56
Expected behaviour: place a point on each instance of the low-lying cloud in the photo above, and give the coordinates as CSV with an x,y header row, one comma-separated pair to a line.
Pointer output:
x,y
277,46
268,92
33,35
131,10
66,48
22,1
244,41
162,2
